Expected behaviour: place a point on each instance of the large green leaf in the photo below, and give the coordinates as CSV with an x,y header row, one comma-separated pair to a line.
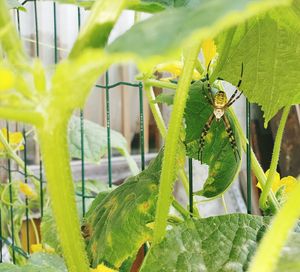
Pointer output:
x,y
38,262
167,32
153,6
268,45
221,243
97,28
95,142
116,226
289,260
223,162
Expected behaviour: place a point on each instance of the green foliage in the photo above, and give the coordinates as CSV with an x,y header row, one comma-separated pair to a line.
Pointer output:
x,y
48,226
289,259
95,142
116,225
268,46
96,30
38,262
185,26
221,243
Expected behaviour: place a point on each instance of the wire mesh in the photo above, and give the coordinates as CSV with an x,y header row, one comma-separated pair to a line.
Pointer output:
x,y
107,88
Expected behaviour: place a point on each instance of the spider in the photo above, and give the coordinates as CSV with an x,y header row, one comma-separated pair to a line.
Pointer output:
x,y
220,104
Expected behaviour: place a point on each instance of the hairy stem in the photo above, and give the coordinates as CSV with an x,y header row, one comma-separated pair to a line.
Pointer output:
x,y
161,125
171,145
275,158
55,153
275,238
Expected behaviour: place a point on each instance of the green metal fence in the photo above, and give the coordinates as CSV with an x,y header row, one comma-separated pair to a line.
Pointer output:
x,y
108,87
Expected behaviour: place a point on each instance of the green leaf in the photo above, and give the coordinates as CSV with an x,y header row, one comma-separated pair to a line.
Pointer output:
x,y
116,226
165,98
221,243
185,26
48,226
289,260
97,28
217,152
48,261
38,262
268,47
49,232
95,142
153,6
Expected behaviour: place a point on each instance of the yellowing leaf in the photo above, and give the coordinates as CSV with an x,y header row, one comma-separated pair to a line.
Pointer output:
x,y
15,139
7,79
209,51
103,268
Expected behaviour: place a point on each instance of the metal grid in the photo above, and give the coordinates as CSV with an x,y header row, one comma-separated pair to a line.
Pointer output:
x,y
107,87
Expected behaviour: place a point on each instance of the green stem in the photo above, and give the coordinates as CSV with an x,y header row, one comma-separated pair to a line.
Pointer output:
x,y
275,158
185,214
275,238
171,145
26,116
155,110
256,168
160,84
224,204
55,152
161,125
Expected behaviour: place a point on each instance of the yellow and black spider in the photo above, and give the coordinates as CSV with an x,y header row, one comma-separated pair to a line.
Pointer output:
x,y
220,104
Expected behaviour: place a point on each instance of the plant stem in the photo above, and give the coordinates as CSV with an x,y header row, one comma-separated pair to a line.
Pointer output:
x,y
224,204
256,168
161,126
275,158
55,152
171,145
275,238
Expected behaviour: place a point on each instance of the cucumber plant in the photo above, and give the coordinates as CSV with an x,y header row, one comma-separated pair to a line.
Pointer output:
x,y
242,31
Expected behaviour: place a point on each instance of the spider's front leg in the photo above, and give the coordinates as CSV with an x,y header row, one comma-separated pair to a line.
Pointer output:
x,y
202,137
231,138
233,98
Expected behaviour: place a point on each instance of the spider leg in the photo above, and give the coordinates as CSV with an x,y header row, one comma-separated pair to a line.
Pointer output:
x,y
232,99
231,138
202,137
208,96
